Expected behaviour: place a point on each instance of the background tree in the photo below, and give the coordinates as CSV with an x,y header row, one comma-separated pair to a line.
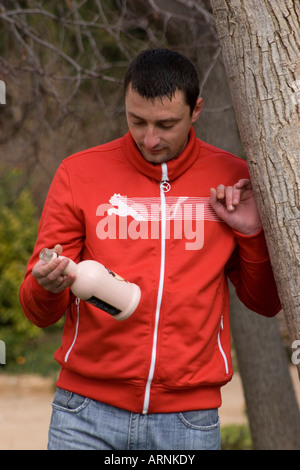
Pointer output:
x,y
260,41
261,50
272,408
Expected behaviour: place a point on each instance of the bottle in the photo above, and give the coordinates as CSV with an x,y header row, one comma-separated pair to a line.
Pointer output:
x,y
100,286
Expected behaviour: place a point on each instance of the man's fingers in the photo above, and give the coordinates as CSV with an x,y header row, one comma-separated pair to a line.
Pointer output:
x,y
220,191
60,283
48,274
213,195
236,195
51,275
227,195
243,184
58,268
229,192
58,249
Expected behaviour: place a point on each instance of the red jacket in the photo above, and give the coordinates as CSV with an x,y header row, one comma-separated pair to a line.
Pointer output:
x,y
173,353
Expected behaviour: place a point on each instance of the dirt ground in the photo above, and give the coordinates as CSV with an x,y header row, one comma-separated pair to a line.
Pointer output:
x,y
25,409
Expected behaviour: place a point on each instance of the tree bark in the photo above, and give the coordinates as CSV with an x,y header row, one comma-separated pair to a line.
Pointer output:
x,y
260,41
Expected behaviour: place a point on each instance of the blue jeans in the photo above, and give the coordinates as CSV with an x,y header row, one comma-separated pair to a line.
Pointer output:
x,y
81,423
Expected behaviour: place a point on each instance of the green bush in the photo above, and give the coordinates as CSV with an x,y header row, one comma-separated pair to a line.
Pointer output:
x,y
236,437
18,229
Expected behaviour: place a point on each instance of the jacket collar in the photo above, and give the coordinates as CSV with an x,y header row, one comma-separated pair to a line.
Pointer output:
x,y
176,167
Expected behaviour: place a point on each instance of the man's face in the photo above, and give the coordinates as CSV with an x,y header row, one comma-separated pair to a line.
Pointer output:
x,y
160,127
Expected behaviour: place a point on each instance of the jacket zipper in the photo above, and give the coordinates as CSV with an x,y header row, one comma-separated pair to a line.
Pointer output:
x,y
164,187
221,348
77,301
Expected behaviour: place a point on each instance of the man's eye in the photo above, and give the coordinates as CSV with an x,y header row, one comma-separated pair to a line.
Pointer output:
x,y
167,126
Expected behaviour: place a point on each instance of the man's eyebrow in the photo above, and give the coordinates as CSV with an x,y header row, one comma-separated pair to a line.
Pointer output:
x,y
170,119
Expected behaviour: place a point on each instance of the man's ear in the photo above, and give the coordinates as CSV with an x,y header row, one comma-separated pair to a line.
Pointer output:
x,y
197,109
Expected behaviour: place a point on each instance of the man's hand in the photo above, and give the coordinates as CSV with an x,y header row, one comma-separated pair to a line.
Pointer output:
x,y
236,206
50,275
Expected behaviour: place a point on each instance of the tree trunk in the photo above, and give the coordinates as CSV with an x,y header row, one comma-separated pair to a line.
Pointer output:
x,y
260,42
272,407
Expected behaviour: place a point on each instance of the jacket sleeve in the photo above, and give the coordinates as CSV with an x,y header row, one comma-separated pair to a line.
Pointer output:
x,y
250,271
60,223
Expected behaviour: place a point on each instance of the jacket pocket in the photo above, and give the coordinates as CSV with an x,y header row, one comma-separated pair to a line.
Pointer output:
x,y
221,348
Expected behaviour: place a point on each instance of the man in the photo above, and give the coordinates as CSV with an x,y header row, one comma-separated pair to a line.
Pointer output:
x,y
177,217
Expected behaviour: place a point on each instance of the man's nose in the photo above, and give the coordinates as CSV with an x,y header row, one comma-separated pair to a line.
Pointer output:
x,y
151,138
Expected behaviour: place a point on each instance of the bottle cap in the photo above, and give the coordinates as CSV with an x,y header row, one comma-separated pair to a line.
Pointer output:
x,y
47,255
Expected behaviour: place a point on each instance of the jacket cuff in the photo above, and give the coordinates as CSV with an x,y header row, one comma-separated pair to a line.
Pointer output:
x,y
253,248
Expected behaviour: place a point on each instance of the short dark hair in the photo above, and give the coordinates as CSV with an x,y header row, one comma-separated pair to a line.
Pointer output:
x,y
160,72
